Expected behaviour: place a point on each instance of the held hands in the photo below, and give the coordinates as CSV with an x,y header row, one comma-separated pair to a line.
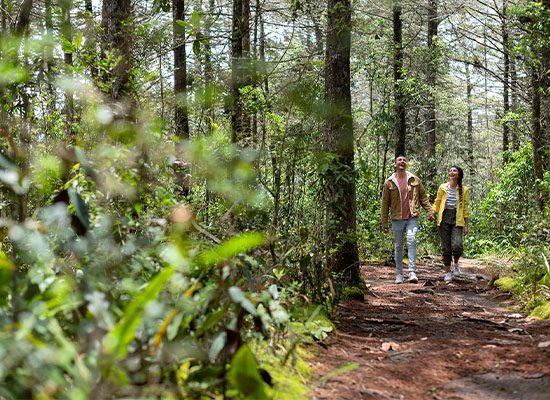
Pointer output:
x,y
431,216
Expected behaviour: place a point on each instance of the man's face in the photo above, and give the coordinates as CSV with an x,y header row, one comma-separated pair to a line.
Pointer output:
x,y
400,163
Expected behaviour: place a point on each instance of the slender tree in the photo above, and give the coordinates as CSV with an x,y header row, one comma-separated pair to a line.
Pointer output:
x,y
116,23
342,254
67,34
181,116
505,78
469,122
431,77
400,127
240,51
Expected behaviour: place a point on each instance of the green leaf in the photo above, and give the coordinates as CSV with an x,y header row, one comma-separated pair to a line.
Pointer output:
x,y
210,322
80,207
195,18
232,247
197,47
117,340
244,375
217,346
78,40
240,298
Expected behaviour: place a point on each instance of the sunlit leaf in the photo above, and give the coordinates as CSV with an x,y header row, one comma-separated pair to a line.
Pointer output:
x,y
240,298
117,340
217,346
232,247
244,375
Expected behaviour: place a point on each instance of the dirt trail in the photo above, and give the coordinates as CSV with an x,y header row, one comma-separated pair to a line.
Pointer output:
x,y
431,340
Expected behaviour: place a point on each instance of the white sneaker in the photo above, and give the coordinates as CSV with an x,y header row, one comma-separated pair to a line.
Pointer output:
x,y
412,277
399,278
456,269
448,277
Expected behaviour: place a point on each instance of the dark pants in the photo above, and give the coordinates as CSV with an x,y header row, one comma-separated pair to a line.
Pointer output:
x,y
451,237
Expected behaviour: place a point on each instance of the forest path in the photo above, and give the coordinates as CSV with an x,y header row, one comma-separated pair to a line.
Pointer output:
x,y
431,340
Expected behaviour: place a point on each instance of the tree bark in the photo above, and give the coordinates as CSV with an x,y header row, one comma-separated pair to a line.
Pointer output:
x,y
506,81
66,33
545,100
181,115
537,135
23,19
469,122
431,78
339,181
236,71
400,127
115,21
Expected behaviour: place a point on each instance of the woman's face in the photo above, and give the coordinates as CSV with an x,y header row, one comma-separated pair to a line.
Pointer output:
x,y
453,174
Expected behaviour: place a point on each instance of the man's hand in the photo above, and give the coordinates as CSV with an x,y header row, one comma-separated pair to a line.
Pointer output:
x,y
385,229
431,216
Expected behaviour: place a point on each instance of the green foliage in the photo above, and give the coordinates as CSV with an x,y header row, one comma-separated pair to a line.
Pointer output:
x,y
509,209
353,293
506,283
541,311
108,286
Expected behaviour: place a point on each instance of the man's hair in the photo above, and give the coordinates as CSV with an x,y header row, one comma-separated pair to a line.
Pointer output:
x,y
399,155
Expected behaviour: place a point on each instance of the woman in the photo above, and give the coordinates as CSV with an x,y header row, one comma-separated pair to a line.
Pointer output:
x,y
451,206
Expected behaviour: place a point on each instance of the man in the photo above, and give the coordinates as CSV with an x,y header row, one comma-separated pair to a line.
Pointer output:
x,y
403,194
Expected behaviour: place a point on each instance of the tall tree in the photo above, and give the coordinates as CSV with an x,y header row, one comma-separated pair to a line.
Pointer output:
x,y
431,77
537,140
240,52
545,87
67,35
505,78
342,254
400,127
181,116
116,23
469,122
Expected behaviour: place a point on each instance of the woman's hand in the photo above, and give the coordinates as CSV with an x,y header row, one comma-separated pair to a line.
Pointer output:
x,y
465,229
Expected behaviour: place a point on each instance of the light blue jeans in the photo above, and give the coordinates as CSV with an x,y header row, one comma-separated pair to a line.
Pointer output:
x,y
399,228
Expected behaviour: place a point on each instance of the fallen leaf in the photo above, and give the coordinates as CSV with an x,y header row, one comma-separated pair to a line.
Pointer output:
x,y
388,346
534,376
424,338
543,345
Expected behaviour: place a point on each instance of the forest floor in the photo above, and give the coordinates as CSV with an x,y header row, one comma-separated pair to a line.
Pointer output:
x,y
432,340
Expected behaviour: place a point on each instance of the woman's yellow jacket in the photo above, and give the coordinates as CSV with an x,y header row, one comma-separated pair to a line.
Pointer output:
x,y
462,211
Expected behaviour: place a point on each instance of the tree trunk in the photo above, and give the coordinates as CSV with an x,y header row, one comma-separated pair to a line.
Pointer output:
x,y
400,127
431,78
342,252
23,19
116,23
545,100
209,72
181,116
537,135
66,33
3,19
469,122
240,49
515,101
506,81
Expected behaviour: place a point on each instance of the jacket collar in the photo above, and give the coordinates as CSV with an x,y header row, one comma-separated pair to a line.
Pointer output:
x,y
393,177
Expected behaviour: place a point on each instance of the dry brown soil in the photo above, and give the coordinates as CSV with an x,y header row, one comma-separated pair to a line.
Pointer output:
x,y
431,340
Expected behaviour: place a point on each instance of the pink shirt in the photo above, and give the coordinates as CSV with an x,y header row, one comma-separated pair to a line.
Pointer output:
x,y
404,189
